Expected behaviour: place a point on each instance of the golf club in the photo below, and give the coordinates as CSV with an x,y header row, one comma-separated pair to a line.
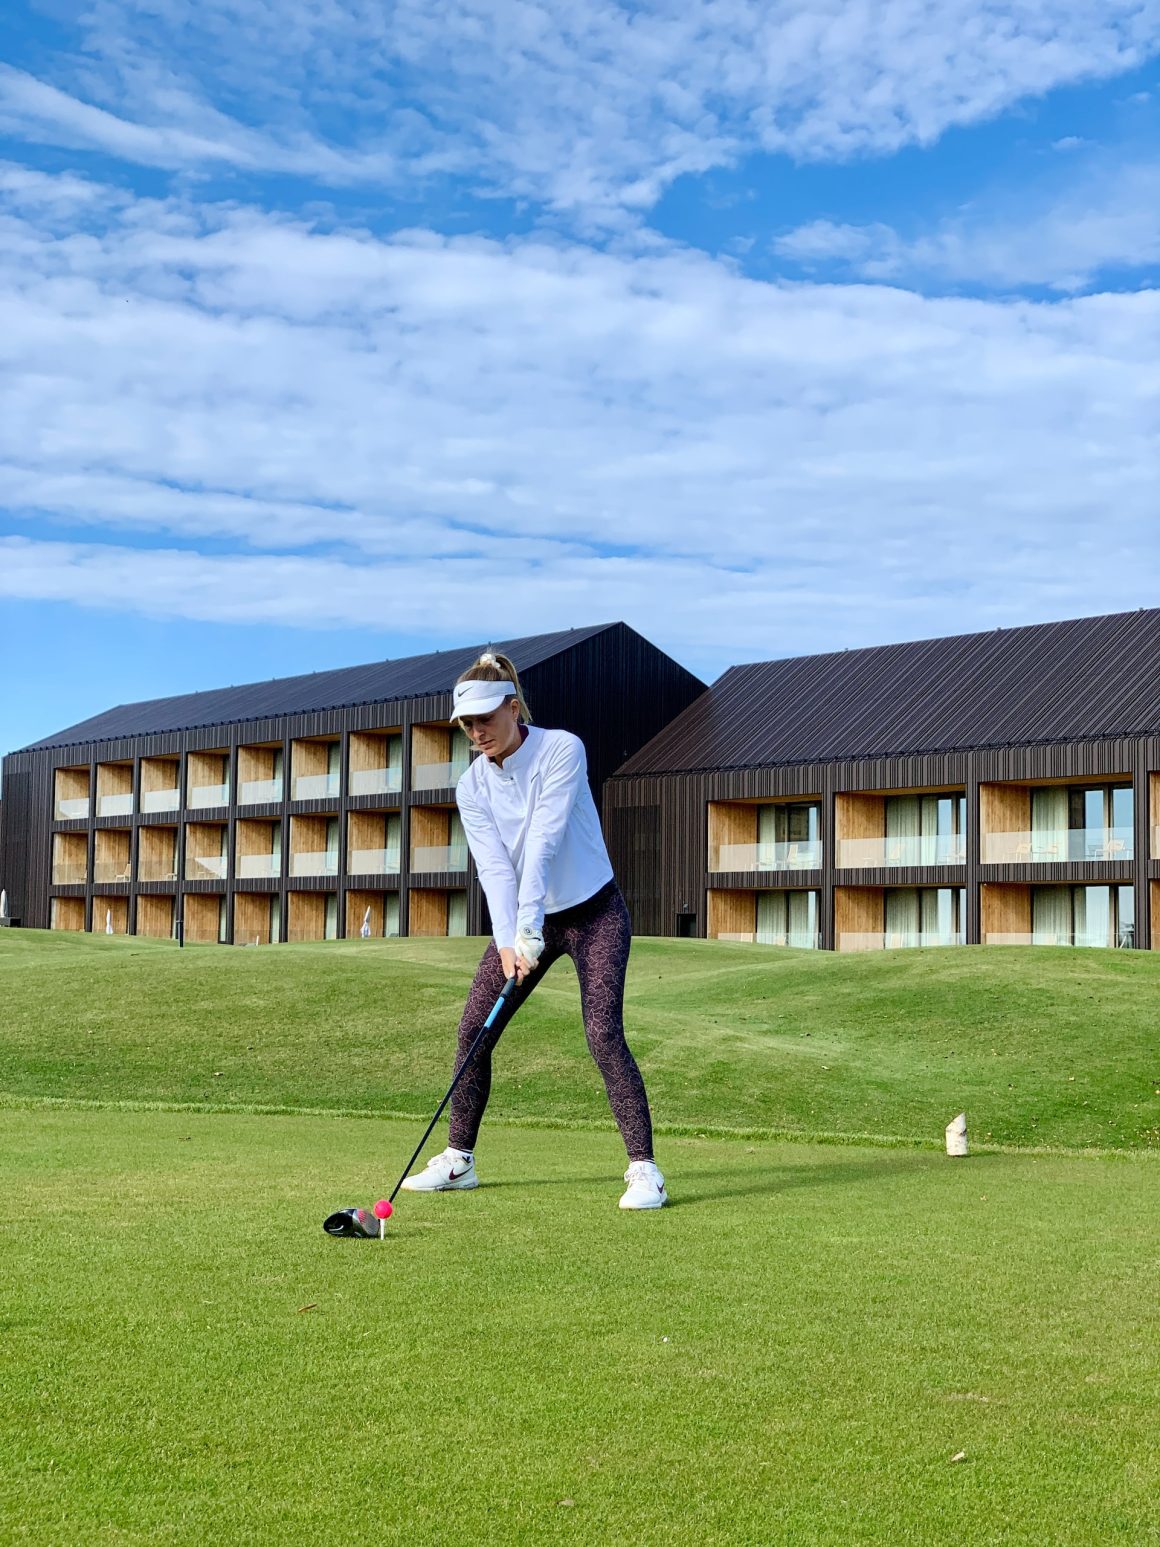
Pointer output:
x,y
348,1222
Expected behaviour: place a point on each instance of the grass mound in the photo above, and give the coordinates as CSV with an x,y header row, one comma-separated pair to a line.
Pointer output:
x,y
1041,1047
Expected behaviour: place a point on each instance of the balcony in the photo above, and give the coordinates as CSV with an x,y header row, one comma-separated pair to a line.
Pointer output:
x,y
376,781
110,870
256,792
74,810
156,870
887,853
251,867
314,863
70,873
436,776
1058,846
323,786
795,941
896,940
160,800
201,795
115,805
442,857
205,867
802,855
1124,939
373,862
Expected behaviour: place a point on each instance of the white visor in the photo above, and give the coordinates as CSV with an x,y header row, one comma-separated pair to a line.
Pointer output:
x,y
472,698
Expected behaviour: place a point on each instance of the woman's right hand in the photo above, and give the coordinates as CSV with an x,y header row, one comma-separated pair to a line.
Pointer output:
x,y
513,966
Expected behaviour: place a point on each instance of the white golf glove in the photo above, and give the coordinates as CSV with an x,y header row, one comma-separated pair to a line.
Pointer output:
x,y
529,945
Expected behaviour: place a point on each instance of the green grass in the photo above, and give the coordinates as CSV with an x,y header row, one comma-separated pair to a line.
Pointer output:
x,y
792,1353
841,1322
1040,1047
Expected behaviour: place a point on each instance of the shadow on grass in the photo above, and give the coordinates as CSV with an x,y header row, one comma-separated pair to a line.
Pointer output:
x,y
785,1179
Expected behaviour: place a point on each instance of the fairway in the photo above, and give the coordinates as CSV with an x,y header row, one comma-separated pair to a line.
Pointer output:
x,y
792,1353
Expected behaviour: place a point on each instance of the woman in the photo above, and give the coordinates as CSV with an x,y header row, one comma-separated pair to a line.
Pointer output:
x,y
534,834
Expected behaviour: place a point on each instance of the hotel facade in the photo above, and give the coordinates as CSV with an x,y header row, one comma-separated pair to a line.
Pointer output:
x,y
306,808
998,788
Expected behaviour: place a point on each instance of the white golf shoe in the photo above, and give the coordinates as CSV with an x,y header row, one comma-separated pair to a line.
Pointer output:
x,y
646,1187
451,1171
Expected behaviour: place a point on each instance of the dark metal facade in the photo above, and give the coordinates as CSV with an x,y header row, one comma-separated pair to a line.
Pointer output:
x,y
607,684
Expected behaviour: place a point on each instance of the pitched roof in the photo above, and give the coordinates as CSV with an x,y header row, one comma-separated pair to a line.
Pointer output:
x,y
1075,681
414,676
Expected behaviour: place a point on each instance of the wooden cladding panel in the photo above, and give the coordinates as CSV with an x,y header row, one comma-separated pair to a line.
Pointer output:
x,y
859,816
858,910
206,768
1006,910
72,784
430,744
67,913
71,851
306,919
110,910
729,824
159,773
430,827
357,904
367,830
157,852
428,913
256,764
731,913
205,839
368,750
252,918
111,847
1154,811
155,916
1155,890
307,836
201,912
309,759
256,837
114,779
1004,808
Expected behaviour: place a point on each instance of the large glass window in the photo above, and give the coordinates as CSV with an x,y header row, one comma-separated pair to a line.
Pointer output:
x,y
926,829
788,918
925,915
1099,916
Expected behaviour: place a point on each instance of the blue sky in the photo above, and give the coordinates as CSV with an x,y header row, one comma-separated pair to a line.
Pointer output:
x,y
333,330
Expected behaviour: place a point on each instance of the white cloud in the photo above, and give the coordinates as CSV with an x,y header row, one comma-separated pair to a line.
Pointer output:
x,y
590,106
1107,217
431,424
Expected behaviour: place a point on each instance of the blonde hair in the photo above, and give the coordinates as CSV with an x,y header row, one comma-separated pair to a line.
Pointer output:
x,y
494,667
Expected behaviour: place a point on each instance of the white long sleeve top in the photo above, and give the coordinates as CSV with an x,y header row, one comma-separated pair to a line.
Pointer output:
x,y
533,831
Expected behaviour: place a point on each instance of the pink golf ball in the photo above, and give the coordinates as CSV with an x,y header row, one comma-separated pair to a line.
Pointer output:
x,y
382,1209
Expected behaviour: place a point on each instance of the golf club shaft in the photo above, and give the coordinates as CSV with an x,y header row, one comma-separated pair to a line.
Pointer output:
x,y
471,1051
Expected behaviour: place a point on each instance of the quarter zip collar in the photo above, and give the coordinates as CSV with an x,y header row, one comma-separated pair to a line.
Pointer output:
x,y
515,761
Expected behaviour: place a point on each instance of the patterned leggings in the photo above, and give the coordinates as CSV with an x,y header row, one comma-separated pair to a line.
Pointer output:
x,y
596,934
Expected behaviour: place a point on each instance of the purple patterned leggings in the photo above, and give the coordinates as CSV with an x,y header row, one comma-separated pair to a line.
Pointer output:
x,y
596,934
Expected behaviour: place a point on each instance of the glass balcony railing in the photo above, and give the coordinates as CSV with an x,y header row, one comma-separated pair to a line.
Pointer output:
x,y
796,940
444,858
114,805
436,776
66,874
802,855
254,792
205,867
885,853
156,871
1058,846
263,867
897,940
376,781
373,862
320,863
72,810
108,870
160,800
1124,939
315,787
209,795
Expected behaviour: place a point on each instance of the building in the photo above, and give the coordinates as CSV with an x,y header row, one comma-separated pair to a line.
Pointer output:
x,y
303,808
995,788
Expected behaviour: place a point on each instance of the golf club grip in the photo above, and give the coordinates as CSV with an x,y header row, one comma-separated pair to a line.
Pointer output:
x,y
471,1051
